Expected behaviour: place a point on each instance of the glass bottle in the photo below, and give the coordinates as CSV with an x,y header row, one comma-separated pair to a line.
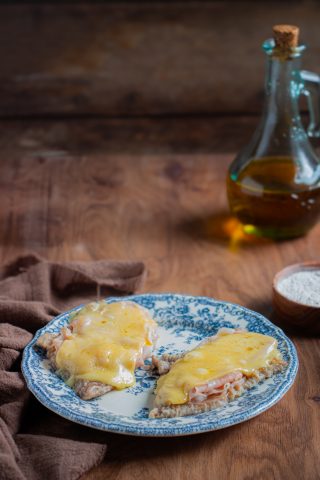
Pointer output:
x,y
273,185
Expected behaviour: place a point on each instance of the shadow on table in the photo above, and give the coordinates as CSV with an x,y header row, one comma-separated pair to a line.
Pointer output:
x,y
221,227
121,448
137,448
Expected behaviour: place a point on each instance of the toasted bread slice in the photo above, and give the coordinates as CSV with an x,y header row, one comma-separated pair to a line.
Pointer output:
x,y
216,372
101,347
191,408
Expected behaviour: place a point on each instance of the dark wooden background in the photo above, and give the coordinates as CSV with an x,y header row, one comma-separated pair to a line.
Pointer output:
x,y
142,58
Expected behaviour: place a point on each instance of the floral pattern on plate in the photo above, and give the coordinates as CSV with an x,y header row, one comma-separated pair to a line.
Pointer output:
x,y
183,322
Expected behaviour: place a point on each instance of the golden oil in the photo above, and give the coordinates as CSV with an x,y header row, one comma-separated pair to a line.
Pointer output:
x,y
266,198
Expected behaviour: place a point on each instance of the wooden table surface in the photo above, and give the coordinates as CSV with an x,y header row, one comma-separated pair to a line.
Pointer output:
x,y
155,190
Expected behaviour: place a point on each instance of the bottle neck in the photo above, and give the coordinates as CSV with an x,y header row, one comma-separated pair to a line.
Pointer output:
x,y
283,88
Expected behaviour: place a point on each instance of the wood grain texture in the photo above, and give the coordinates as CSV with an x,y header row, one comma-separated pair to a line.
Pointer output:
x,y
146,58
106,189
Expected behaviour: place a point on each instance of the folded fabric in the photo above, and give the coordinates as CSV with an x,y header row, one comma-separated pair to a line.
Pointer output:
x,y
34,442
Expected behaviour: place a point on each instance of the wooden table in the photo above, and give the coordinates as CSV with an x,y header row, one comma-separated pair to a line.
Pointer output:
x,y
155,190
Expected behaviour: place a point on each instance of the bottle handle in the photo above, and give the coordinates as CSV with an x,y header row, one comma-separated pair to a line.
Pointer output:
x,y
311,90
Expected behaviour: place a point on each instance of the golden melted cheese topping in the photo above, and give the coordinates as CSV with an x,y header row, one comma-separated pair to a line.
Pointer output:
x,y
106,342
227,353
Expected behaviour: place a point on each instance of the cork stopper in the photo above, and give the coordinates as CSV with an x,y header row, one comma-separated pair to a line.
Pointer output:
x,y
286,37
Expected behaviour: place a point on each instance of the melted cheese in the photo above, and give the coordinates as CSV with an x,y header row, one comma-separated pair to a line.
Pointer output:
x,y
106,342
227,353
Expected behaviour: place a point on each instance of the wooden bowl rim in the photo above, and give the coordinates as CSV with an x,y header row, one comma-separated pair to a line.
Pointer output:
x,y
286,272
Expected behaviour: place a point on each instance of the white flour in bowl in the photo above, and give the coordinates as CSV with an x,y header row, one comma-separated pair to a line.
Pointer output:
x,y
302,287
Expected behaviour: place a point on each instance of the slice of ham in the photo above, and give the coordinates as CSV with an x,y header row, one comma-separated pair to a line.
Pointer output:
x,y
217,387
88,390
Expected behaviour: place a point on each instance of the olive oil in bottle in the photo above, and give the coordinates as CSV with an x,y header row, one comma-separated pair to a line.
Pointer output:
x,y
273,185
268,201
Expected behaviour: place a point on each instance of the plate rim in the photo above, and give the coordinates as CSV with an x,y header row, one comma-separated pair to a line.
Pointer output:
x,y
172,431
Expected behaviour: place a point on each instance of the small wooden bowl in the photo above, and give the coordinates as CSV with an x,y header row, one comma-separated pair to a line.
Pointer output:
x,y
300,315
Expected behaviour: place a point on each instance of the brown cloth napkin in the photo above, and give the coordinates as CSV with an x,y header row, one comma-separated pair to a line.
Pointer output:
x,y
34,442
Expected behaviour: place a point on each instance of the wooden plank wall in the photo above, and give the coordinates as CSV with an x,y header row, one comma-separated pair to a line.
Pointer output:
x,y
142,58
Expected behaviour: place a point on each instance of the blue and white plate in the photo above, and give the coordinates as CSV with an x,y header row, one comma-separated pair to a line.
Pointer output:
x,y
183,322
